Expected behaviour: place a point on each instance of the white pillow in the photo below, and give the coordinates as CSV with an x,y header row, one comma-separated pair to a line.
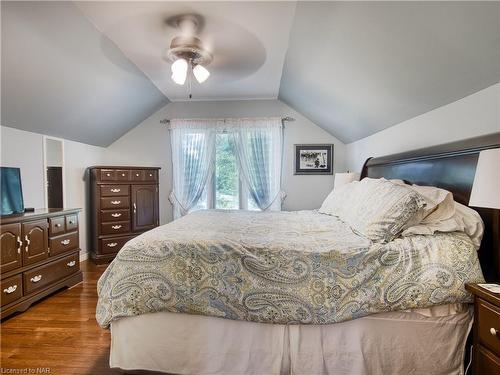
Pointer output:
x,y
463,219
342,193
439,203
375,208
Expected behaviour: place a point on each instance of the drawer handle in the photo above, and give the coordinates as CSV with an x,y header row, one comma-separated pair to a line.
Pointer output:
x,y
116,215
58,225
493,331
28,242
150,175
137,175
36,278
112,244
71,222
116,226
19,244
10,289
116,190
123,174
116,202
71,264
108,174
65,242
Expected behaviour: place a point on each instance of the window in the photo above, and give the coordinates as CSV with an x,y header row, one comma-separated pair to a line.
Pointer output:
x,y
226,164
227,181
227,190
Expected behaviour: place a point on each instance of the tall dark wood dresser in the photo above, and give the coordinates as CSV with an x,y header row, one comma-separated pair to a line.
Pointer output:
x,y
123,204
39,255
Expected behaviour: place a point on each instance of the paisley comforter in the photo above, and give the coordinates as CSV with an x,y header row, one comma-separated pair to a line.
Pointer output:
x,y
282,267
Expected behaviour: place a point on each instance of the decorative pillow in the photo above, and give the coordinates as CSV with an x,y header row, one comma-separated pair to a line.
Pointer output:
x,y
375,208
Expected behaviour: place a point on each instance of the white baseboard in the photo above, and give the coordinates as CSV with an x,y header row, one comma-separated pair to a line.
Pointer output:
x,y
84,255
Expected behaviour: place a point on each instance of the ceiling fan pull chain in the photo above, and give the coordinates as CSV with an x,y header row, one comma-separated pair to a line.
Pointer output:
x,y
190,78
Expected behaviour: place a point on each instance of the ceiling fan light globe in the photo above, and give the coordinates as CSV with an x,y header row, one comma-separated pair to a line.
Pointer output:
x,y
201,73
179,71
179,78
179,65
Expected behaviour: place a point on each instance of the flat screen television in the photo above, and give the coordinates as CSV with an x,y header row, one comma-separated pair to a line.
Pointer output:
x,y
11,191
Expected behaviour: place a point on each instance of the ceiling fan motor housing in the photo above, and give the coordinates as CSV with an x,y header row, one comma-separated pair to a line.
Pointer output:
x,y
189,48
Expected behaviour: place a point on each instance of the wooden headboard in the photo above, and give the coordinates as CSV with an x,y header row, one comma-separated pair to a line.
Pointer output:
x,y
451,166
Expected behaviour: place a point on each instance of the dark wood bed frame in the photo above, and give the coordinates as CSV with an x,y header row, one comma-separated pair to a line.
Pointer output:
x,y
451,166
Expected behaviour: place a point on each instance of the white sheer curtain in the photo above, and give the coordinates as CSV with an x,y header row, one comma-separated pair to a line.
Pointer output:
x,y
193,150
259,149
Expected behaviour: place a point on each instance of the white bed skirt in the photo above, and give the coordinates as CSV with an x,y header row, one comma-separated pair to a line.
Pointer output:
x,y
430,341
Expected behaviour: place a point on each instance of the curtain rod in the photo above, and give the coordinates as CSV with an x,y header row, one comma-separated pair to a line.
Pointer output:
x,y
286,118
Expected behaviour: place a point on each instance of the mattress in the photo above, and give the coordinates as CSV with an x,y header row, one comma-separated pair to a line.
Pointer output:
x,y
423,341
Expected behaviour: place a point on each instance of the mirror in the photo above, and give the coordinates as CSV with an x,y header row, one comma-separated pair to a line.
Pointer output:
x,y
54,172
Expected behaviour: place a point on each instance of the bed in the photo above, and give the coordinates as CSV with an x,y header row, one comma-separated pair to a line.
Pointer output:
x,y
313,331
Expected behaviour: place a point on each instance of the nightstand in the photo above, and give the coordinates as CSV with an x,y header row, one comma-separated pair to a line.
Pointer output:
x,y
486,355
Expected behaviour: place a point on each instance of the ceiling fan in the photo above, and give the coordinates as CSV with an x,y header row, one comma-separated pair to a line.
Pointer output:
x,y
187,53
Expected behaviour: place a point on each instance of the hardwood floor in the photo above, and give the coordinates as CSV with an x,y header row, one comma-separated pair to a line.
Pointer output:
x,y
59,333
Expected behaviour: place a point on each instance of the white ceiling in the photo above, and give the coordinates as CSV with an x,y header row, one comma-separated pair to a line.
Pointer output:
x,y
248,41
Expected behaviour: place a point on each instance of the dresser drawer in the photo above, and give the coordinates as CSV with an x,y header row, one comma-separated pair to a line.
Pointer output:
x,y
113,245
63,243
486,363
108,175
71,223
12,289
151,175
43,276
122,175
115,215
488,327
137,175
114,190
115,202
115,228
56,225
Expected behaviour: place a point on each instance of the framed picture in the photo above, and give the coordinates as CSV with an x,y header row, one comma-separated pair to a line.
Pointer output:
x,y
314,159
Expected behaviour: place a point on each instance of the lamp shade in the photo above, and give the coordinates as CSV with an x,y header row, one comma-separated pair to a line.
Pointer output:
x,y
344,178
486,187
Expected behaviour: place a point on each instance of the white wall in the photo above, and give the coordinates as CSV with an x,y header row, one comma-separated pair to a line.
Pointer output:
x,y
475,115
149,144
25,150
53,152
77,158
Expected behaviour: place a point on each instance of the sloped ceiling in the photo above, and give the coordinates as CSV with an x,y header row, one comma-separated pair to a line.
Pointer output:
x,y
355,68
61,77
91,71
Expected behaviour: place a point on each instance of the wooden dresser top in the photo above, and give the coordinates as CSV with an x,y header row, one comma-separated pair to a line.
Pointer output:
x,y
120,167
38,213
485,294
